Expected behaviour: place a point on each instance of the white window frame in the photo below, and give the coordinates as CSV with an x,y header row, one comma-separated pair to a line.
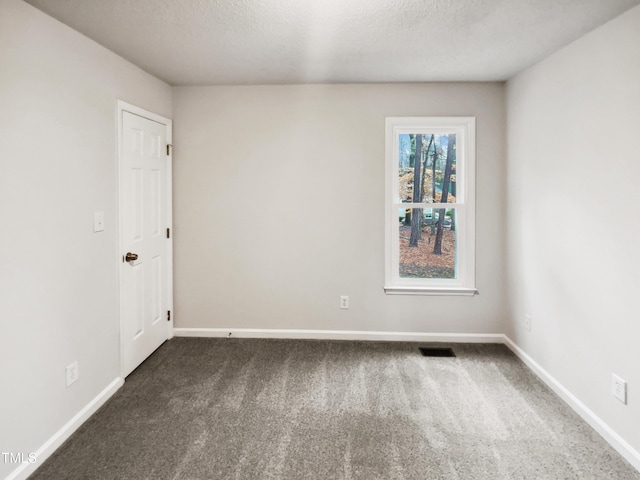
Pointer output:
x,y
464,283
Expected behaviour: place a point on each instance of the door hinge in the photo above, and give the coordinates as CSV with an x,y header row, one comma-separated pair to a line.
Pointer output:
x,y
168,233
168,315
169,147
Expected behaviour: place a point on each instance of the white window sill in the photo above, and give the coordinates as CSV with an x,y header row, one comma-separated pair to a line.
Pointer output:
x,y
465,291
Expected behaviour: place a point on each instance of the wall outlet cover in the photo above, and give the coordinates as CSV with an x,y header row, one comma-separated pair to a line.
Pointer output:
x,y
72,373
98,221
619,388
344,302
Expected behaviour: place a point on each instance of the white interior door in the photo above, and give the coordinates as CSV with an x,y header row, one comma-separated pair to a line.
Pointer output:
x,y
145,215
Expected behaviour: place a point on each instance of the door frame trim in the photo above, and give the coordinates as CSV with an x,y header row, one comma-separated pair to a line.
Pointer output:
x,y
168,123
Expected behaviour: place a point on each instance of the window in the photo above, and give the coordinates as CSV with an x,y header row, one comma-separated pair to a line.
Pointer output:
x,y
430,211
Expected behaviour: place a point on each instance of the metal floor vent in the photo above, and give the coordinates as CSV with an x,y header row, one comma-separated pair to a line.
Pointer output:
x,y
437,352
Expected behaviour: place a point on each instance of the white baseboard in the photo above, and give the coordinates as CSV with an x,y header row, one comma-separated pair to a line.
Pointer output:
x,y
50,446
615,440
340,335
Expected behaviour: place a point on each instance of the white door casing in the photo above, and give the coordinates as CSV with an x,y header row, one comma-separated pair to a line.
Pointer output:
x,y
144,165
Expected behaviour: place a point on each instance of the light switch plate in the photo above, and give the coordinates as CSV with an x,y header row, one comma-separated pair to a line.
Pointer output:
x,y
98,221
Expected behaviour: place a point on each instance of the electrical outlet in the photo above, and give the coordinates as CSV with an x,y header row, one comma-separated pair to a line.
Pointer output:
x,y
619,388
98,221
72,373
527,322
344,302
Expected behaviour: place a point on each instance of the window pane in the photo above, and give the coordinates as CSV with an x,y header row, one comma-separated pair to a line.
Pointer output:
x,y
428,243
433,158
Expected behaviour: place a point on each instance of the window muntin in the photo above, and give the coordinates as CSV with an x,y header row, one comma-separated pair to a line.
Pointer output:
x,y
430,219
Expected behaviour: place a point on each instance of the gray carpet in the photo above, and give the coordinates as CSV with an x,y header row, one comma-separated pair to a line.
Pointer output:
x,y
283,409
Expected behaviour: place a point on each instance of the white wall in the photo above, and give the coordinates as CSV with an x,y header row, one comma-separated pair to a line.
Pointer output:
x,y
58,279
279,207
574,217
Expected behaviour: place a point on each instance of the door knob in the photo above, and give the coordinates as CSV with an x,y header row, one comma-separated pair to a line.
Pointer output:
x,y
130,257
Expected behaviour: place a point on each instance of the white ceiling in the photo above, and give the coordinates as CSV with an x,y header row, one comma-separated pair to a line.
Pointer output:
x,y
208,42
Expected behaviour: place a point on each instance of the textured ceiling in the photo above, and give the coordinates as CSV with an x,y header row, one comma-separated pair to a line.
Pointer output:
x,y
207,42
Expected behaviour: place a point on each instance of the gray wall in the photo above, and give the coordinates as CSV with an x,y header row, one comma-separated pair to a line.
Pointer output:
x,y
58,279
574,217
279,207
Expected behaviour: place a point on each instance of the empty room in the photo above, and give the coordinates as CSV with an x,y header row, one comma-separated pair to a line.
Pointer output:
x,y
286,239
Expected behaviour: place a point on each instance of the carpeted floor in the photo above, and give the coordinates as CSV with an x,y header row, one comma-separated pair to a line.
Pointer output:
x,y
284,409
